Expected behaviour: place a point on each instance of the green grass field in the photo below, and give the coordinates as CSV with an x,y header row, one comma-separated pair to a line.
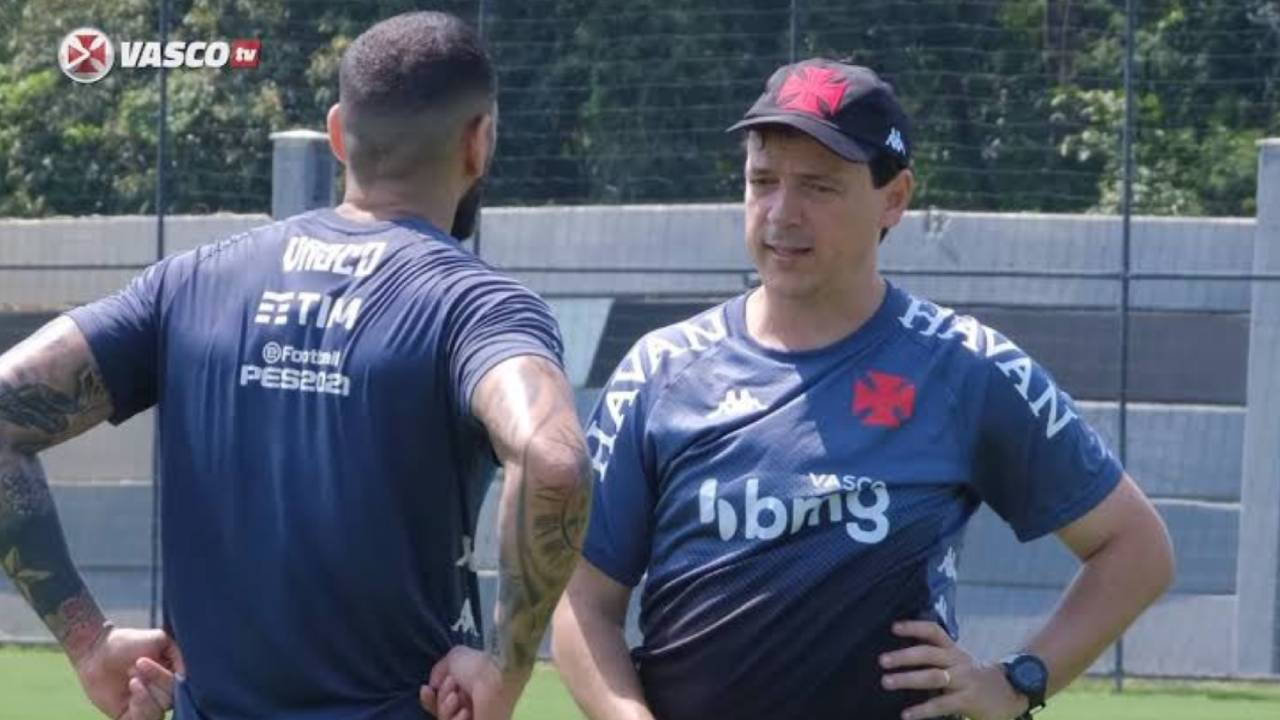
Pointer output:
x,y
39,685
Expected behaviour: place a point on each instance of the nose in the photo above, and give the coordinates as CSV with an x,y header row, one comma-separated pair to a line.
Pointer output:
x,y
785,209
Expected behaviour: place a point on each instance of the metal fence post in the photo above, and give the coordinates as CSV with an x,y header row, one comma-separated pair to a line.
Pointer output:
x,y
155,610
793,31
1258,561
1126,240
302,169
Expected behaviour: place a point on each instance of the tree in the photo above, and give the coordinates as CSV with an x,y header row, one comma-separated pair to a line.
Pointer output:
x,y
1018,103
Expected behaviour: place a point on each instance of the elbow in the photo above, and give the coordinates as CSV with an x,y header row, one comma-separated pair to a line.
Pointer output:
x,y
1139,557
556,475
1151,556
1148,551
558,463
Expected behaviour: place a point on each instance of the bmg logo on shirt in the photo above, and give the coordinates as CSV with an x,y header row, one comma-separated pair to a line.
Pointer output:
x,y
764,517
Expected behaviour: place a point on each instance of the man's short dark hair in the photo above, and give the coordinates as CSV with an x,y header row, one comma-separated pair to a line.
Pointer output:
x,y
406,86
884,168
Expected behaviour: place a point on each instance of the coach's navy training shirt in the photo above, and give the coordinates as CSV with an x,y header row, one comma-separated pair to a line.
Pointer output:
x,y
787,507
321,467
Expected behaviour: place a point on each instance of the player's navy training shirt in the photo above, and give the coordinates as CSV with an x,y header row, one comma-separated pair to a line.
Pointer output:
x,y
787,507
321,466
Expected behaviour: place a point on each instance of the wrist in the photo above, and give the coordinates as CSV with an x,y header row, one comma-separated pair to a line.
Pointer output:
x,y
514,669
1027,678
508,680
79,626
1019,704
514,680
1012,704
81,642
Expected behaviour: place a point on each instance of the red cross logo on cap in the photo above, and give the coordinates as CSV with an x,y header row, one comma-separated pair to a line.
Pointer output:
x,y
891,399
813,90
86,55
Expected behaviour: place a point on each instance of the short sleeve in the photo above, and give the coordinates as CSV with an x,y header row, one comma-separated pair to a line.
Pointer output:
x,y
1038,463
620,528
123,333
496,319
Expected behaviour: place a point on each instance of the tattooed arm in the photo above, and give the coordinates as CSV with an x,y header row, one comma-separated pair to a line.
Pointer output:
x,y
526,406
51,391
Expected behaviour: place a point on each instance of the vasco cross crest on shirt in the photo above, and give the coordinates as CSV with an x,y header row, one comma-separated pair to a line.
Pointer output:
x,y
881,399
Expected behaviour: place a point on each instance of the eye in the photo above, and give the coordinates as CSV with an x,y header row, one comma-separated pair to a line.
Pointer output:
x,y
762,181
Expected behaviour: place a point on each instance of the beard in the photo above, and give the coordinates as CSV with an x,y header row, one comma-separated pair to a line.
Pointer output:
x,y
467,215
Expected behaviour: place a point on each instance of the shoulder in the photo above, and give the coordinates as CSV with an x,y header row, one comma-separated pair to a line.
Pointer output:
x,y
232,254
259,238
663,354
655,361
995,372
962,340
440,262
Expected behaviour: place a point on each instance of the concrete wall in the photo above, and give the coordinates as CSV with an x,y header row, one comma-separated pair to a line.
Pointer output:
x,y
696,250
614,272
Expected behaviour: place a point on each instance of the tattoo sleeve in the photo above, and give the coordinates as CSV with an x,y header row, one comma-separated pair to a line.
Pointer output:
x,y
527,408
50,390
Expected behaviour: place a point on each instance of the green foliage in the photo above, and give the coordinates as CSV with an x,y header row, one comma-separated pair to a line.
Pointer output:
x,y
1018,104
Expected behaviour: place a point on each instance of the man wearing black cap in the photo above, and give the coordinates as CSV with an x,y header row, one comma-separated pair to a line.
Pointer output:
x,y
792,471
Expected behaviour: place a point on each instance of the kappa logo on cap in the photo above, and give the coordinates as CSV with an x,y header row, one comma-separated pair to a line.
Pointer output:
x,y
817,91
894,141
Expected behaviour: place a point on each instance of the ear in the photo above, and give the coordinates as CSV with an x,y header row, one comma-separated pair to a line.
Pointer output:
x,y
334,125
897,198
477,143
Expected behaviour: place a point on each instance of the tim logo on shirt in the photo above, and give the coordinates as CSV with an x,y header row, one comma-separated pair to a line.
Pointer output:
x,y
881,399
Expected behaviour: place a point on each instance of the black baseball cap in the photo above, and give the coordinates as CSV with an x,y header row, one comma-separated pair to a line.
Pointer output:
x,y
847,108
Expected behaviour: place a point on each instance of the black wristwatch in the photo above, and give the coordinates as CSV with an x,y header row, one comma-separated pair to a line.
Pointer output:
x,y
1028,676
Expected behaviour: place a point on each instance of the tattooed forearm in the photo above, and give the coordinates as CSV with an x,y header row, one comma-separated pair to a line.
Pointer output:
x,y
34,555
537,560
78,623
546,496
559,533
50,390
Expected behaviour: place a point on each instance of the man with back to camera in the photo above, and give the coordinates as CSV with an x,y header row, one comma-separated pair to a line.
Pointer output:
x,y
329,391
793,470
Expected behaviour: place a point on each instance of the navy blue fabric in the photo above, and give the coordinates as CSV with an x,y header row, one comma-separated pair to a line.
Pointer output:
x,y
786,508
321,466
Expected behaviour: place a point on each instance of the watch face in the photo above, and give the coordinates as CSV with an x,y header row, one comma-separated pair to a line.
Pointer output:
x,y
1028,674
